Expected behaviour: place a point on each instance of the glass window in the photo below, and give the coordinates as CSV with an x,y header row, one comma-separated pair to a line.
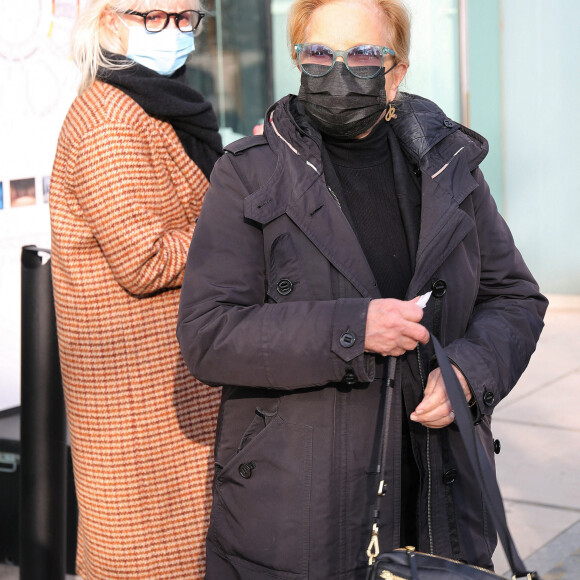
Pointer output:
x,y
434,70
231,65
286,75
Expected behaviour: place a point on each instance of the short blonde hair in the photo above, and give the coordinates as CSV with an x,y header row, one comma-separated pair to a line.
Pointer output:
x,y
91,37
396,12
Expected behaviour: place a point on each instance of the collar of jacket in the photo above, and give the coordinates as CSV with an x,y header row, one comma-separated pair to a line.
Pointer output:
x,y
430,140
445,152
297,188
296,145
434,143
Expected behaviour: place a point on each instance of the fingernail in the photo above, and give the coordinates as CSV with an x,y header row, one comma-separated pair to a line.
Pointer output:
x,y
413,417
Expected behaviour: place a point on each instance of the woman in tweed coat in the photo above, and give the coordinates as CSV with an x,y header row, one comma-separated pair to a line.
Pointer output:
x,y
130,174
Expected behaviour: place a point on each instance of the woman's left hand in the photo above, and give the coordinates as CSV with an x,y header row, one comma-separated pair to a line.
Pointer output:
x,y
435,409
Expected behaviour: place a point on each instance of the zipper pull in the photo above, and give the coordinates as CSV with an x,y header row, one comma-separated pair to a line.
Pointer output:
x,y
373,549
334,195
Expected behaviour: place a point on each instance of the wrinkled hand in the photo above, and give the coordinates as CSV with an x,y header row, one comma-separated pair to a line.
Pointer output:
x,y
393,326
435,409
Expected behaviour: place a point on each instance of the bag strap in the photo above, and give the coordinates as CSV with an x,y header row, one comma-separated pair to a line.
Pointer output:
x,y
388,384
478,459
480,463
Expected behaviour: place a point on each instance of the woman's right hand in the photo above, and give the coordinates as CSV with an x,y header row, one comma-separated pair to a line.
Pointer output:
x,y
393,326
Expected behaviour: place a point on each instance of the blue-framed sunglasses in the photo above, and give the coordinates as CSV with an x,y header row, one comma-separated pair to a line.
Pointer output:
x,y
364,61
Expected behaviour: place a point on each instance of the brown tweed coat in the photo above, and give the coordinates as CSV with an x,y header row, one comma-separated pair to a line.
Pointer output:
x,y
124,198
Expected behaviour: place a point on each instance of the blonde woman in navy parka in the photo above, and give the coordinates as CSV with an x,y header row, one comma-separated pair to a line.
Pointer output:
x,y
313,244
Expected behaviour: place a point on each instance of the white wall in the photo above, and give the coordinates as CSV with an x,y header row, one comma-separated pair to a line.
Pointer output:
x,y
434,70
541,85
38,82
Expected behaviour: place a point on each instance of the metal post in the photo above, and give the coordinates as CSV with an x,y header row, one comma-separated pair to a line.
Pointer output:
x,y
42,427
220,63
464,62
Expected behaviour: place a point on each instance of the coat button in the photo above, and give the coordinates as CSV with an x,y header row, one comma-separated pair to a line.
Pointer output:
x,y
284,287
439,287
347,339
350,377
488,398
449,476
448,123
496,446
246,469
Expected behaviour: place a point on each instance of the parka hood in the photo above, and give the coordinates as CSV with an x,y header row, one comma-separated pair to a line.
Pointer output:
x,y
420,126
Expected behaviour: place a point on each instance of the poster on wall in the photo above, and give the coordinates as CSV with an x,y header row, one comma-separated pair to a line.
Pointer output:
x,y
38,83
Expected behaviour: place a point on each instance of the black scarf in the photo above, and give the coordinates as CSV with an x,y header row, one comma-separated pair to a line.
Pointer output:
x,y
170,99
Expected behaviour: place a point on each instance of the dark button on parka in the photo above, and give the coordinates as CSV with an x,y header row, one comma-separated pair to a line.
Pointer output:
x,y
274,305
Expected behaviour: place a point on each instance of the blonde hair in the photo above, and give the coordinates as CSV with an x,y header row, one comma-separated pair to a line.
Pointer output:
x,y
91,37
395,11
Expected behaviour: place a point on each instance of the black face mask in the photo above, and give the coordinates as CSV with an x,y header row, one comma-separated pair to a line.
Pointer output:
x,y
342,105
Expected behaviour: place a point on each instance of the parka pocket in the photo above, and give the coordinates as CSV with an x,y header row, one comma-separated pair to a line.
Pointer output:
x,y
262,498
285,277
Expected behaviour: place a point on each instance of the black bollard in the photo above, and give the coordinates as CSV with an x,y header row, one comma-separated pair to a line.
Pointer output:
x,y
42,427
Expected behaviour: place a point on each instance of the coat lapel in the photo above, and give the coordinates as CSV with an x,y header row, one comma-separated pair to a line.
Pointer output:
x,y
319,216
314,210
443,223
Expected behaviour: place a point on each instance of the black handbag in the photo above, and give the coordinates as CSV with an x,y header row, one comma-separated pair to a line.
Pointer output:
x,y
407,564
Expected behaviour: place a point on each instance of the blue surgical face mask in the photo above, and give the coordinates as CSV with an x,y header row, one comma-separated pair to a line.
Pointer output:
x,y
164,52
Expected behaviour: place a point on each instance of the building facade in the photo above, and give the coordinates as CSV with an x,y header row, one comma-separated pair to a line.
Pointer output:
x,y
499,66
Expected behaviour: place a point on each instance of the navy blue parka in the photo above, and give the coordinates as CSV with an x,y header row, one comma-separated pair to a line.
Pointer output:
x,y
275,280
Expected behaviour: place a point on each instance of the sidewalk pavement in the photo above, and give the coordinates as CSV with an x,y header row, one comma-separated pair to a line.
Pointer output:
x,y
538,467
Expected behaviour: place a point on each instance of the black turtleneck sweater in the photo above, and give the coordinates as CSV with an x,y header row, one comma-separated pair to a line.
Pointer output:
x,y
364,171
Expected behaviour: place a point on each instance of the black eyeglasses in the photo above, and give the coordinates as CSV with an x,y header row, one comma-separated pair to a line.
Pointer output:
x,y
157,20
364,61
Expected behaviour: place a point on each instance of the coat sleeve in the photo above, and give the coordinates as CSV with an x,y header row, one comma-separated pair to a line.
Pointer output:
x,y
117,186
507,318
230,335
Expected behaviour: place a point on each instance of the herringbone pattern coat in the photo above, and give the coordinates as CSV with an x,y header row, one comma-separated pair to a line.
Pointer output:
x,y
124,198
